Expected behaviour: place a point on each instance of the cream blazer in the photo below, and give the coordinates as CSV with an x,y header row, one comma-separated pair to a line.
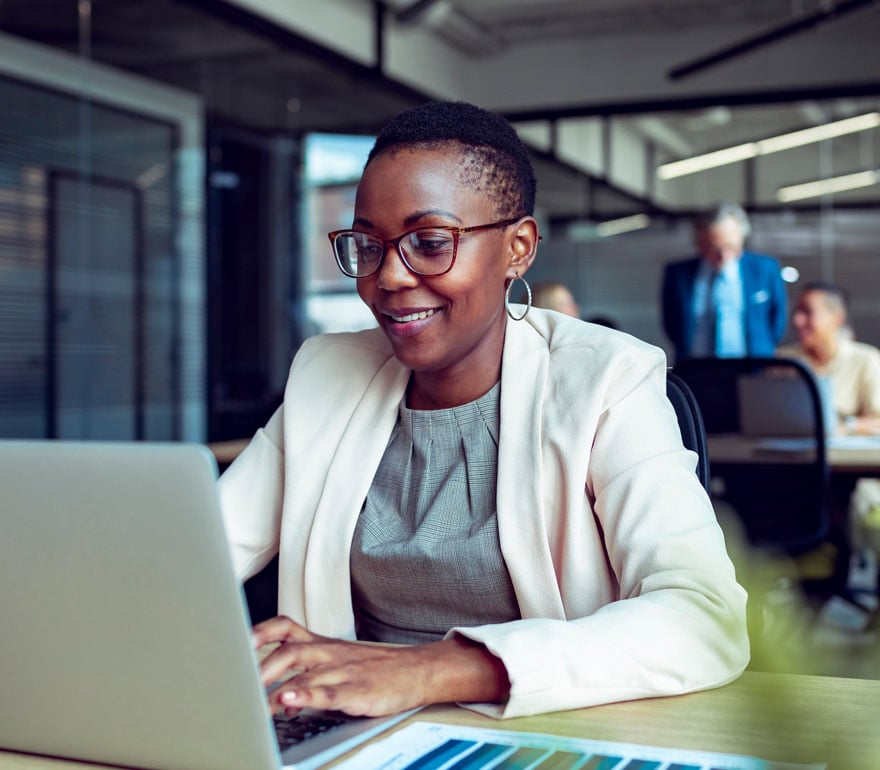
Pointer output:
x,y
624,585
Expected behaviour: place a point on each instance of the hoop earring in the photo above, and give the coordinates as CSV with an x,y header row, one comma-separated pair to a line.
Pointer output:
x,y
528,299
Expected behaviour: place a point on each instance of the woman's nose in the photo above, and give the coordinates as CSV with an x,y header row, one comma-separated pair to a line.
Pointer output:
x,y
393,273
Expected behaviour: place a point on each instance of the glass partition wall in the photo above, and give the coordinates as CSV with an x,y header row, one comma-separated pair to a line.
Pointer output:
x,y
91,281
163,242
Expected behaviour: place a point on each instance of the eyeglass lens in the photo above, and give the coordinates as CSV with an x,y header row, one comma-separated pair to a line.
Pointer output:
x,y
425,251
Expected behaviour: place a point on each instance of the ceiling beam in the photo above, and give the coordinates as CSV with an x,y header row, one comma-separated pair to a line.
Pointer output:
x,y
675,104
414,11
832,13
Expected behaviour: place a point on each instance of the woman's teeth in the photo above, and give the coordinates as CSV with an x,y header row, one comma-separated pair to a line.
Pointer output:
x,y
402,319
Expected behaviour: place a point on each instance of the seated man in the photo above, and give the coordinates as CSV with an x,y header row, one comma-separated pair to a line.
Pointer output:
x,y
825,344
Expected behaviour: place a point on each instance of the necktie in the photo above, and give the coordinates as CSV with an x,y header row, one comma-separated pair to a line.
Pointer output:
x,y
714,313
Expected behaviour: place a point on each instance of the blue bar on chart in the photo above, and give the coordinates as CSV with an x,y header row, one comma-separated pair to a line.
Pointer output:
x,y
482,757
441,755
602,762
437,746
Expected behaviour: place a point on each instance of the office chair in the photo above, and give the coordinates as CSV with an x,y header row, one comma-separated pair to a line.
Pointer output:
x,y
690,423
782,499
261,592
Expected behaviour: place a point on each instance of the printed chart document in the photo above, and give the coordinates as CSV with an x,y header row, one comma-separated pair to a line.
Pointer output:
x,y
431,746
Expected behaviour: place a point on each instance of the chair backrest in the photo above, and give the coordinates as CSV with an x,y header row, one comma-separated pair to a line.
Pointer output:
x,y
782,497
690,423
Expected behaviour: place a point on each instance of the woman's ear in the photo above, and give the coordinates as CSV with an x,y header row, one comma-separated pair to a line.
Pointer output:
x,y
523,247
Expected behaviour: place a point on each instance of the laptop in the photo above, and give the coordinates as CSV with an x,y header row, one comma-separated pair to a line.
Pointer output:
x,y
125,638
780,406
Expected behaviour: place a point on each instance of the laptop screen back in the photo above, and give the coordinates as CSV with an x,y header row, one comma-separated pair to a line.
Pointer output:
x,y
781,406
125,639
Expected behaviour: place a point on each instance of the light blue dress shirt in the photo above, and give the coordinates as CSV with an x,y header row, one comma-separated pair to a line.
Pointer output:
x,y
718,311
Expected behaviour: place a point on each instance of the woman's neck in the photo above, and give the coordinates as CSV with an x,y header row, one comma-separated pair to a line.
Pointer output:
x,y
428,391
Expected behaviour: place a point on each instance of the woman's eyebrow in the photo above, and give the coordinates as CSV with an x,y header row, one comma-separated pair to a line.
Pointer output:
x,y
412,219
415,217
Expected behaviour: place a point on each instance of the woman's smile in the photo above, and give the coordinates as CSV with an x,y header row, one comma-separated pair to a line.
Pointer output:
x,y
407,323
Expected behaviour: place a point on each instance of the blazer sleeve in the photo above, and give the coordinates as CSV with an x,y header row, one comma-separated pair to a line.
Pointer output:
x,y
251,496
678,624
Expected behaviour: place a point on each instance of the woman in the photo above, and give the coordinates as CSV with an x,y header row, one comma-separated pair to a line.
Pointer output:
x,y
509,498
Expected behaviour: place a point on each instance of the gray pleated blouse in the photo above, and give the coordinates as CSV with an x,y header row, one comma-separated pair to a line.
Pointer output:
x,y
425,555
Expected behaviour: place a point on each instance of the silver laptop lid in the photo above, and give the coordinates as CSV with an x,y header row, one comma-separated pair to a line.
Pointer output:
x,y
125,639
781,406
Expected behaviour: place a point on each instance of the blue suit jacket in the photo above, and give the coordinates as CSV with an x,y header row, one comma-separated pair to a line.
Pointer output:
x,y
764,306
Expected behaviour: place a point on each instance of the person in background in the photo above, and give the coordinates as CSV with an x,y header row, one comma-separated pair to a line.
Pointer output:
x,y
725,301
555,296
500,489
826,345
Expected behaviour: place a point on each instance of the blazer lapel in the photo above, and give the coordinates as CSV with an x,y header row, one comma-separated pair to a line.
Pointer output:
x,y
520,493
352,468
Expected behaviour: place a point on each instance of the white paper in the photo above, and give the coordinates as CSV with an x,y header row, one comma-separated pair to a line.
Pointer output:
x,y
432,746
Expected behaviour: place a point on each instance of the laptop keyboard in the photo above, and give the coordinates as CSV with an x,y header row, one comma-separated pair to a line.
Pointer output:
x,y
292,730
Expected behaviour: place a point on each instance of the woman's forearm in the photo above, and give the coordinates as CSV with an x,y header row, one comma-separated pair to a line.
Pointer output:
x,y
464,671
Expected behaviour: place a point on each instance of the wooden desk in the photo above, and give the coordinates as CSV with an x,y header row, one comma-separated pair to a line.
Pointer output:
x,y
783,717
734,448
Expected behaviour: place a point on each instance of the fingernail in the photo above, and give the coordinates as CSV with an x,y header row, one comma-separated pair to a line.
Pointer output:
x,y
289,697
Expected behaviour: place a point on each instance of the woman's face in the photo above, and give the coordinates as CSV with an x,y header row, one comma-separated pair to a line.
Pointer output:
x,y
452,324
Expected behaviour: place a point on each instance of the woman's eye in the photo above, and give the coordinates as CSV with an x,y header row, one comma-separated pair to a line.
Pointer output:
x,y
369,251
428,242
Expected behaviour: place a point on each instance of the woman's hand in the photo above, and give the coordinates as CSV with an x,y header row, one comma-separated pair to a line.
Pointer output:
x,y
370,679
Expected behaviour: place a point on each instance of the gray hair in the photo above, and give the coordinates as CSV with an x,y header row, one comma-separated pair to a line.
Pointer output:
x,y
724,210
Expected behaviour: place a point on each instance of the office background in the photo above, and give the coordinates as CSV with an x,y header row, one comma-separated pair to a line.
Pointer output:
x,y
169,169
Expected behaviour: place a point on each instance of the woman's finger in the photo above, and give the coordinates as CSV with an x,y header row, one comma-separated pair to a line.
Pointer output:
x,y
280,629
352,678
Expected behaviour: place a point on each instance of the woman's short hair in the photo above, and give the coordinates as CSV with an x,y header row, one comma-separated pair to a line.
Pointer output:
x,y
495,159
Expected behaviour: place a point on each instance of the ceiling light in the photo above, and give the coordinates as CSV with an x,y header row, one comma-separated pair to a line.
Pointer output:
x,y
766,146
709,160
833,184
819,133
622,225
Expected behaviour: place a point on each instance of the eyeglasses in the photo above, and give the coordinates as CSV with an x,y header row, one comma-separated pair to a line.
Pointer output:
x,y
427,251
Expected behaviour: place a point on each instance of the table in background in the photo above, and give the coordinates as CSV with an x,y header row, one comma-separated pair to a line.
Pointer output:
x,y
782,717
736,448
722,448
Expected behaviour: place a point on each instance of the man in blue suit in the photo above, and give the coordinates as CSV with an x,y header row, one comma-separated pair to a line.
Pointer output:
x,y
726,302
